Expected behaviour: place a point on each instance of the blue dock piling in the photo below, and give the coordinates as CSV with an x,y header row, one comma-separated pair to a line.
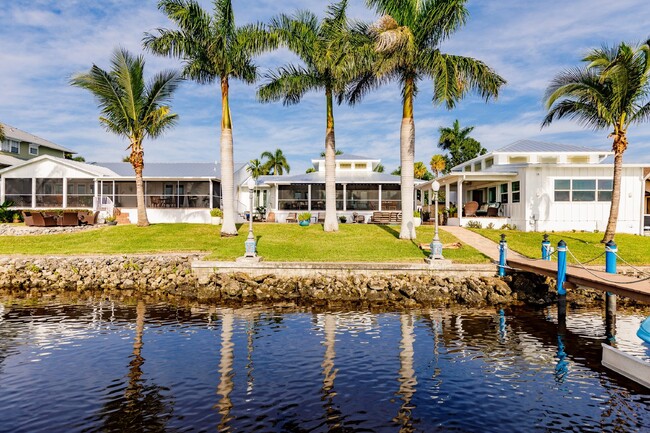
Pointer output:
x,y
546,248
561,267
610,299
503,247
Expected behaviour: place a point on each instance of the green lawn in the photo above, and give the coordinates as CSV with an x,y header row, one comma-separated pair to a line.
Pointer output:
x,y
585,246
276,242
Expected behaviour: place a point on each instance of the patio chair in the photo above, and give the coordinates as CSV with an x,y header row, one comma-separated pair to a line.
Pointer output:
x,y
41,220
356,218
493,209
69,219
321,218
470,209
27,217
482,210
292,217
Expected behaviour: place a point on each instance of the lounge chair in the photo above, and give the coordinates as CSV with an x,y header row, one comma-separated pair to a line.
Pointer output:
x,y
41,220
470,208
27,217
69,219
292,217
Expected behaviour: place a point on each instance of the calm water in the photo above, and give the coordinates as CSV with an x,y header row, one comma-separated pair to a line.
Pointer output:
x,y
102,366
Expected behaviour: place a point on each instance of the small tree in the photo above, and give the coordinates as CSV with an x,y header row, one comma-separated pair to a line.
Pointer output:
x,y
438,164
276,163
459,144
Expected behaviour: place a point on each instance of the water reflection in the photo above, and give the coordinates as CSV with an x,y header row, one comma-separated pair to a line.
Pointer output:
x,y
294,370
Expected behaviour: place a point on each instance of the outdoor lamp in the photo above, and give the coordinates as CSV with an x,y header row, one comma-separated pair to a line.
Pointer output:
x,y
250,244
436,245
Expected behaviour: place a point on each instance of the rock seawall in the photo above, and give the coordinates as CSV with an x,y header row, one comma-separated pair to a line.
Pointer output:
x,y
170,277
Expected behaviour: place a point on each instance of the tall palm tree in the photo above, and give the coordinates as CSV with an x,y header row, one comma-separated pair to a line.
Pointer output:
x,y
438,164
213,48
407,38
276,163
459,144
326,51
611,91
131,107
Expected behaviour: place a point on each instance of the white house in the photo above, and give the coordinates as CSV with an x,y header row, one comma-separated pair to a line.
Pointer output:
x,y
542,186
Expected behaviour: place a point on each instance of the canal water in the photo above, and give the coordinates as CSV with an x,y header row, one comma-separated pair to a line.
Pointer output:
x,y
101,366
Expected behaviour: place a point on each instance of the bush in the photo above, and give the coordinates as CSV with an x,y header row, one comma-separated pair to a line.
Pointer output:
x,y
6,215
490,226
343,219
216,212
416,214
474,225
304,216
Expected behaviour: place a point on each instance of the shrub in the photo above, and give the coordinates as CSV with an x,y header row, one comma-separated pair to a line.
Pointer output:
x,y
508,227
304,216
343,219
216,212
416,214
490,226
474,225
6,215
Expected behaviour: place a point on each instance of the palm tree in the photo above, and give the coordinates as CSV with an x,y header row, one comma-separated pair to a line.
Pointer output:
x,y
2,133
379,168
407,38
276,163
337,153
438,164
132,108
212,48
256,168
326,50
459,144
611,91
420,171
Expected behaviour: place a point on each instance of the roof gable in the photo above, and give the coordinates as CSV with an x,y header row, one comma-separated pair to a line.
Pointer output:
x,y
13,133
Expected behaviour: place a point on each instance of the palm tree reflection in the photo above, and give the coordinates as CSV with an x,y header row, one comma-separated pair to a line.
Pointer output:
x,y
226,384
407,377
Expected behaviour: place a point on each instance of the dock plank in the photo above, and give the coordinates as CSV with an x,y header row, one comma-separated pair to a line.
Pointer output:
x,y
621,285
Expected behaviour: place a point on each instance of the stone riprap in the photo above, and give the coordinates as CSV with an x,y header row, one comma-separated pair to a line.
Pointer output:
x,y
23,230
170,276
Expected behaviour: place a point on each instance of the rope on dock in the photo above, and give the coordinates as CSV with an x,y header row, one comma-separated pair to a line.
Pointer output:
x,y
636,269
605,279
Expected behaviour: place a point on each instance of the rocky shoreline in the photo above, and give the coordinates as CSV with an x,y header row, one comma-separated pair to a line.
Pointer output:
x,y
170,277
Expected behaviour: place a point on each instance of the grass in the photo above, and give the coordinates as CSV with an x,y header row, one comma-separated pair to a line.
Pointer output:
x,y
275,242
584,245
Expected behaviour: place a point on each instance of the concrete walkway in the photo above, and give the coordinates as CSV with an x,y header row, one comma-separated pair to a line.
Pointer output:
x,y
484,245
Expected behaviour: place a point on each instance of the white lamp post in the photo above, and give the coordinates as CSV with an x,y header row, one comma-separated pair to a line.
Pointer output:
x,y
251,245
436,245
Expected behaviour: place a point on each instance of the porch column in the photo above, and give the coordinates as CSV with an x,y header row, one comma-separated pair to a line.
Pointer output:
x,y
96,195
211,192
379,205
65,192
2,189
277,197
33,192
113,195
309,197
459,205
345,197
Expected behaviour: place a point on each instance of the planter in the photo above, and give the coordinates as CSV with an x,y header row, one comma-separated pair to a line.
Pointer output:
x,y
417,221
304,223
111,223
215,220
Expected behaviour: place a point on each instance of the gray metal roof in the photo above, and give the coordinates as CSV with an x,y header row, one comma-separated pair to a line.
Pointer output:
x,y
528,146
169,169
319,177
20,135
346,157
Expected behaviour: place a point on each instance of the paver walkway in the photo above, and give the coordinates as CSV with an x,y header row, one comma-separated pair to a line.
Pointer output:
x,y
484,245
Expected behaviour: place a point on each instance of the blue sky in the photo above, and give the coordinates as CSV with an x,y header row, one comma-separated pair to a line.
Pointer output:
x,y
44,42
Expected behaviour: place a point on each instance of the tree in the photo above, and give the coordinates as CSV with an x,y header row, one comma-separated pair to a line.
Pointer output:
x,y
310,170
337,153
76,158
256,168
397,171
459,144
326,50
3,137
420,171
438,164
379,168
407,38
212,48
131,107
276,163
611,91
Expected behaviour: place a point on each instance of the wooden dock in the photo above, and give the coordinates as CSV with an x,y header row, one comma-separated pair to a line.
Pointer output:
x,y
576,276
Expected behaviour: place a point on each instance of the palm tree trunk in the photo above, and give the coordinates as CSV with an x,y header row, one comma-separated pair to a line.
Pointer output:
x,y
137,161
610,231
407,156
331,222
228,227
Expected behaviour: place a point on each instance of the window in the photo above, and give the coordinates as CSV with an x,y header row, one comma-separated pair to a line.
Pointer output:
x,y
492,194
11,146
489,162
477,166
345,166
516,198
33,149
583,190
503,190
360,166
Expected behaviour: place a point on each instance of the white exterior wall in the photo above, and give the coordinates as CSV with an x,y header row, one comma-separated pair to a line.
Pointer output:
x,y
540,212
162,216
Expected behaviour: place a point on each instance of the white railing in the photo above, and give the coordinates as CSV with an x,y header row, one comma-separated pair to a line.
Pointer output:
x,y
103,204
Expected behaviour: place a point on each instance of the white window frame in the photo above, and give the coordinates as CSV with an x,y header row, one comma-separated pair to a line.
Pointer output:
x,y
33,147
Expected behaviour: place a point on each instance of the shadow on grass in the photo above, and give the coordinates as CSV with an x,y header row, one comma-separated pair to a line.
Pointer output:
x,y
388,229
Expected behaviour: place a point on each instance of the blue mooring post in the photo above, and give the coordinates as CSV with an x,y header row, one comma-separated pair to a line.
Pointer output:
x,y
546,248
561,267
503,248
610,299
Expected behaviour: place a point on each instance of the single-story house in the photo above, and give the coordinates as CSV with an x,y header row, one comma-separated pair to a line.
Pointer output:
x,y
539,186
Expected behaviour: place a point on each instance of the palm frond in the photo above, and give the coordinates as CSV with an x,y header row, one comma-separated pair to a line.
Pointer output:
x,y
288,83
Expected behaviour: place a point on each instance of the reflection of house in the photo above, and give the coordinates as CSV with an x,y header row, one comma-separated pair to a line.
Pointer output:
x,y
20,145
358,189
547,186
175,192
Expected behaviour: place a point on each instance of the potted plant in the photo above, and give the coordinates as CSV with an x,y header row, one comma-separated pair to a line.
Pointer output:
x,y
304,218
417,220
215,216
17,218
343,219
111,220
453,211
